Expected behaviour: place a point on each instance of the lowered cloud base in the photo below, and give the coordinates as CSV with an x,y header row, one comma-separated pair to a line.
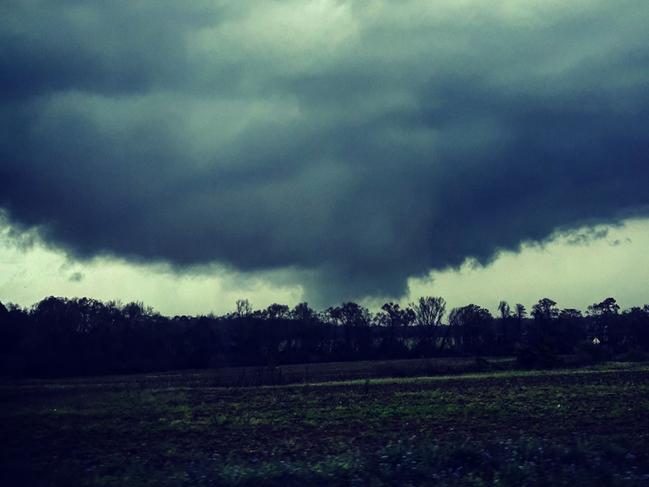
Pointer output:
x,y
575,269
350,146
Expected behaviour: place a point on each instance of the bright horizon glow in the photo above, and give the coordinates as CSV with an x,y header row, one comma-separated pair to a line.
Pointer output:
x,y
574,274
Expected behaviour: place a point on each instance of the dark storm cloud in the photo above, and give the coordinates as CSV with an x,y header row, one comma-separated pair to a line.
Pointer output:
x,y
587,236
354,144
76,277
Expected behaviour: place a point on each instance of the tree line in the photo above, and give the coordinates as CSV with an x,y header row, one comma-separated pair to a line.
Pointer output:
x,y
83,336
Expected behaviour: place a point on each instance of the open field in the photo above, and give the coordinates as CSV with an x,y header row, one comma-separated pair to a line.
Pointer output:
x,y
297,373
577,427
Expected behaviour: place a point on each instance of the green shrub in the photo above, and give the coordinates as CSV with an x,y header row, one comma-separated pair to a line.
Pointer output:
x,y
541,356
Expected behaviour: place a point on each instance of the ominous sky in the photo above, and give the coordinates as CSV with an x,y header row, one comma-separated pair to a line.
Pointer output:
x,y
321,150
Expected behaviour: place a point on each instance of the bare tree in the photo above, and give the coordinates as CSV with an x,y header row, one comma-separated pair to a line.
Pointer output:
x,y
520,312
471,325
276,311
545,310
243,308
607,307
505,310
429,312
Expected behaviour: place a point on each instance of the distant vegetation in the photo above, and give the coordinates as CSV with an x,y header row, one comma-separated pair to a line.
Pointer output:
x,y
69,337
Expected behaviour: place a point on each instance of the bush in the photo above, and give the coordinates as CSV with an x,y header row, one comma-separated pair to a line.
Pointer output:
x,y
542,356
633,355
589,352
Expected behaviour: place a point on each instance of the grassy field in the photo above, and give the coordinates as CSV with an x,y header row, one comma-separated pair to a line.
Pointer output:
x,y
299,373
564,427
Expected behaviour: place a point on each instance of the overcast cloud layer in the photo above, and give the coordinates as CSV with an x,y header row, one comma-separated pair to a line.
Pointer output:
x,y
354,144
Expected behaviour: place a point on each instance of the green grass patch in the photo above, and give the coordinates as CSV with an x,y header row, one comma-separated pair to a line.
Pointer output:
x,y
555,427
